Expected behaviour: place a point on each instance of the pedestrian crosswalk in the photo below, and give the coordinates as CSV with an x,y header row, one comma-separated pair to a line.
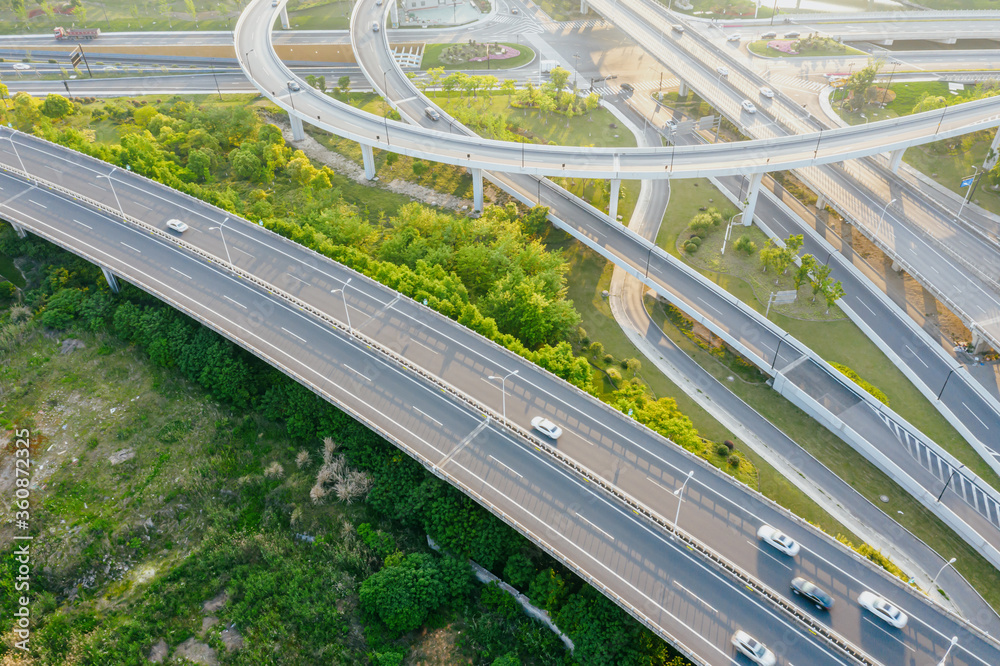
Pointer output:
x,y
522,24
785,81
613,88
569,26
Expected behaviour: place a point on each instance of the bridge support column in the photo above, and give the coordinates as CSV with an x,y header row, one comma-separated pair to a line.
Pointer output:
x,y
298,133
821,201
284,17
477,189
895,158
979,343
683,90
616,186
21,231
896,266
112,280
368,157
752,198
583,7
992,156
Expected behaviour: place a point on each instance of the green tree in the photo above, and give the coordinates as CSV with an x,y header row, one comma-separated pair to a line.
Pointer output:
x,y
633,365
860,81
247,166
192,10
56,106
832,292
596,349
344,84
804,269
794,243
200,164
819,279
592,101
929,103
26,111
745,245
144,114
508,86
558,78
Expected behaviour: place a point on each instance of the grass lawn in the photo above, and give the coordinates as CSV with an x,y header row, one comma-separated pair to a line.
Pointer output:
x,y
761,48
847,463
948,161
433,53
563,10
330,16
835,341
724,9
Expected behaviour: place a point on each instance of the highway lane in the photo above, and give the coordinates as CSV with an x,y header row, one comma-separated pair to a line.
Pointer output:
x,y
252,35
762,342
609,442
974,297
662,580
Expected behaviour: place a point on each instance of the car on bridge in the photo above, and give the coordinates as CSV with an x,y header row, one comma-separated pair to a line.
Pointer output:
x,y
753,649
882,609
735,37
778,539
177,225
294,86
546,427
748,106
766,92
722,71
375,26
808,590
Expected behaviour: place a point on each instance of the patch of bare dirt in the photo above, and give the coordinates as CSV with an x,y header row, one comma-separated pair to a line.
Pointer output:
x,y
436,648
121,456
232,639
159,652
196,651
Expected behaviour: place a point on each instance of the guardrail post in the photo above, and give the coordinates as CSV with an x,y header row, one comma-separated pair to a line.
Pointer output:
x,y
616,185
284,16
752,198
368,157
21,231
298,133
112,280
477,189
895,158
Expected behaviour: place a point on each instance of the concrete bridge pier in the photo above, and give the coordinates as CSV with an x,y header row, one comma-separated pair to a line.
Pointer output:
x,y
21,231
752,198
298,133
895,158
584,8
284,17
112,280
821,201
979,343
368,157
477,189
992,156
683,90
616,186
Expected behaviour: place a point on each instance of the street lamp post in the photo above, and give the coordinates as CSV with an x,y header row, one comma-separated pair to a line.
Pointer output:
x,y
503,390
968,194
347,312
224,244
246,56
112,184
946,565
884,208
576,70
888,85
20,161
954,639
679,494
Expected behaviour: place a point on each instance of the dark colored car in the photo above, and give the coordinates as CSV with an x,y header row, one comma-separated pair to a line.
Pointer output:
x,y
817,596
627,87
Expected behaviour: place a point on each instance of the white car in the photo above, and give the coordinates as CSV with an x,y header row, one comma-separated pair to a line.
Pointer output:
x,y
735,37
778,539
177,226
375,27
722,71
748,106
882,609
753,649
546,427
766,92
294,86
21,65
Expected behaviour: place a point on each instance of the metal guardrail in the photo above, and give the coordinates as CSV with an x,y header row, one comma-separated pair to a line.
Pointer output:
x,y
832,639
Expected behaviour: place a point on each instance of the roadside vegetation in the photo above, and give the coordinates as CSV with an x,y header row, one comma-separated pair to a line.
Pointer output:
x,y
473,55
948,161
194,500
812,46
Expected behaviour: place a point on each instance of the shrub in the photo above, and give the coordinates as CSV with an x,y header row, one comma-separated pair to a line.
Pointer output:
x,y
608,358
729,445
733,460
866,385
690,247
614,375
745,245
721,450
